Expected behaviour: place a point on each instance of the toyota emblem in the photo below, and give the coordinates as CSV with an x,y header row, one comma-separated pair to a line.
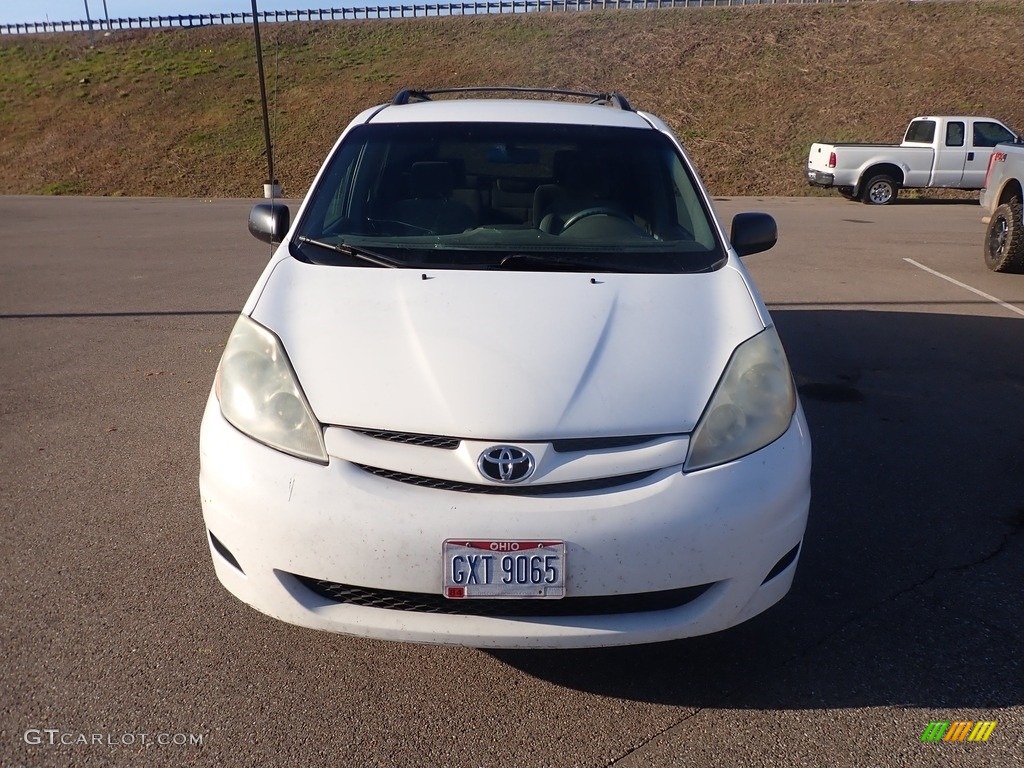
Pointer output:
x,y
505,464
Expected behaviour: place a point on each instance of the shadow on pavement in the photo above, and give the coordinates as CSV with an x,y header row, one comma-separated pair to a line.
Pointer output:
x,y
904,200
908,587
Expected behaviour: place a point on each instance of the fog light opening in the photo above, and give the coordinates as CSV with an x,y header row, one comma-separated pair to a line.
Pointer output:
x,y
224,552
783,564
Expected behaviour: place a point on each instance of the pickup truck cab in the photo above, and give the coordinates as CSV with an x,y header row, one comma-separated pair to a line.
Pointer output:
x,y
938,151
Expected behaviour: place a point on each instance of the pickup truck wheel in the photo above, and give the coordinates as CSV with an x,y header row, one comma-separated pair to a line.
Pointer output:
x,y
1004,239
880,190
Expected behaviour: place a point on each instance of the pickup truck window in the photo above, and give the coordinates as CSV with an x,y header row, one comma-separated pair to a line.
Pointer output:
x,y
921,132
954,134
989,134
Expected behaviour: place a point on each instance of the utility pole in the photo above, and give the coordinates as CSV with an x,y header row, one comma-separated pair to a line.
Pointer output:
x,y
106,15
263,98
88,18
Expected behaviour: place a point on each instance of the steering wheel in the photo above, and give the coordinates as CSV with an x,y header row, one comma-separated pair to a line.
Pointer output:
x,y
601,210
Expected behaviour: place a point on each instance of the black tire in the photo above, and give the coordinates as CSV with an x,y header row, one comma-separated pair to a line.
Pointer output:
x,y
880,190
1004,239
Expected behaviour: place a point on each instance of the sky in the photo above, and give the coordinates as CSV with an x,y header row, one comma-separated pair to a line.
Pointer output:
x,y
15,12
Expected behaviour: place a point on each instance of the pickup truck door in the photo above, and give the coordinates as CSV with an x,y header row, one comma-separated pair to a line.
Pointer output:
x,y
951,155
985,134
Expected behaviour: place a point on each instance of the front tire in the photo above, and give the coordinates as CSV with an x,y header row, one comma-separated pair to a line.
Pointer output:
x,y
1004,239
880,190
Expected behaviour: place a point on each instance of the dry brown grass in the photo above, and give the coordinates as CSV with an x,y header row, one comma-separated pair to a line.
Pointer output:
x,y
176,112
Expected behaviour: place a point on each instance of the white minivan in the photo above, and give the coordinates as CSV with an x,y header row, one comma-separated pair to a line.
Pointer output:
x,y
505,382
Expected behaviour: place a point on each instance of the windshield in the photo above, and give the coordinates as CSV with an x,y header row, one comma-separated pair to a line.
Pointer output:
x,y
508,196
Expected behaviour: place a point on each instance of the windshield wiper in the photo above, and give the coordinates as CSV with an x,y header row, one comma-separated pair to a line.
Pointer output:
x,y
356,253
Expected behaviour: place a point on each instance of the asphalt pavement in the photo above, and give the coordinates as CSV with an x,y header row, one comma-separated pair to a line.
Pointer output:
x,y
121,648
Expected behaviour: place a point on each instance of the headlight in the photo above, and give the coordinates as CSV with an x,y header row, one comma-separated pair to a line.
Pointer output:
x,y
752,405
260,395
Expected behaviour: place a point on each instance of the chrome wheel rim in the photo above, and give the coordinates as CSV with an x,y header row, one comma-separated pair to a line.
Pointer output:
x,y
881,192
997,241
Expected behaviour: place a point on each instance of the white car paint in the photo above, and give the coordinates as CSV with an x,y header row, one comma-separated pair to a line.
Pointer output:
x,y
416,337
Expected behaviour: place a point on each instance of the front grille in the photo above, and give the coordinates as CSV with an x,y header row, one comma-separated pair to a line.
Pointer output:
x,y
549,489
418,602
573,445
411,438
563,445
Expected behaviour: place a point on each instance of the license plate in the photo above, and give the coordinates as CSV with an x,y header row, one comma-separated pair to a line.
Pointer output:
x,y
504,569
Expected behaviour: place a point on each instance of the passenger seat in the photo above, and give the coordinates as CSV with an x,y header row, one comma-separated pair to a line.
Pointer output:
x,y
431,208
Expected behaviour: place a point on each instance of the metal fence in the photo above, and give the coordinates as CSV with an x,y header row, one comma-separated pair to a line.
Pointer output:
x,y
384,12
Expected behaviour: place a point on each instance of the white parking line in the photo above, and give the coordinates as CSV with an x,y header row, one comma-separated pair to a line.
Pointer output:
x,y
984,295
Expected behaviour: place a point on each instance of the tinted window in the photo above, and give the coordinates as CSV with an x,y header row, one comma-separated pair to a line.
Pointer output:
x,y
470,195
954,134
921,131
989,134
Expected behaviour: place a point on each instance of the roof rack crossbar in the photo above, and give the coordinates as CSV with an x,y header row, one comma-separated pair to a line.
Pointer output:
x,y
617,100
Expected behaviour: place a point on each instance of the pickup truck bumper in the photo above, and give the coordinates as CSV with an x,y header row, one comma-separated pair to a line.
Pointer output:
x,y
820,179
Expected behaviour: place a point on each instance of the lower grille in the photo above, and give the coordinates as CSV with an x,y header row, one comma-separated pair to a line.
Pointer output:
x,y
417,602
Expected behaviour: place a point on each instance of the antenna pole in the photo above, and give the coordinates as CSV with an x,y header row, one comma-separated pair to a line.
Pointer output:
x,y
263,95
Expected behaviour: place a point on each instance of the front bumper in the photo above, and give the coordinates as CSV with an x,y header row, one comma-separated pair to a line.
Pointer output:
x,y
277,524
986,204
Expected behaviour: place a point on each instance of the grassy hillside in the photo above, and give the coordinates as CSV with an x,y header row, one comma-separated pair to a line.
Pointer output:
x,y
176,112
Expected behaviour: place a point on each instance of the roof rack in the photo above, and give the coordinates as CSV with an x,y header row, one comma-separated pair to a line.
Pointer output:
x,y
612,99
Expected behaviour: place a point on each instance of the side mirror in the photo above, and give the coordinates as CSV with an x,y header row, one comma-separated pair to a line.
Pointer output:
x,y
753,233
269,222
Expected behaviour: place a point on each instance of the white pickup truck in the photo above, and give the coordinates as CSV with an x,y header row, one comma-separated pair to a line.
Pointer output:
x,y
1002,198
945,151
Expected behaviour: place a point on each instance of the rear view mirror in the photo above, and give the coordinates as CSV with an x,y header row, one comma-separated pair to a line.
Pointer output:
x,y
503,154
269,222
753,233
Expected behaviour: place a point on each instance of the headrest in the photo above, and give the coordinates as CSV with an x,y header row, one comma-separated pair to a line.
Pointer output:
x,y
432,179
580,173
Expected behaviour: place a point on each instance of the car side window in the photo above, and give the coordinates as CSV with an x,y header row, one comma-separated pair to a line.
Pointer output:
x,y
921,132
988,134
954,134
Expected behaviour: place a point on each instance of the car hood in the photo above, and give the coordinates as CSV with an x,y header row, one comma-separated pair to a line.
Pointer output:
x,y
507,355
